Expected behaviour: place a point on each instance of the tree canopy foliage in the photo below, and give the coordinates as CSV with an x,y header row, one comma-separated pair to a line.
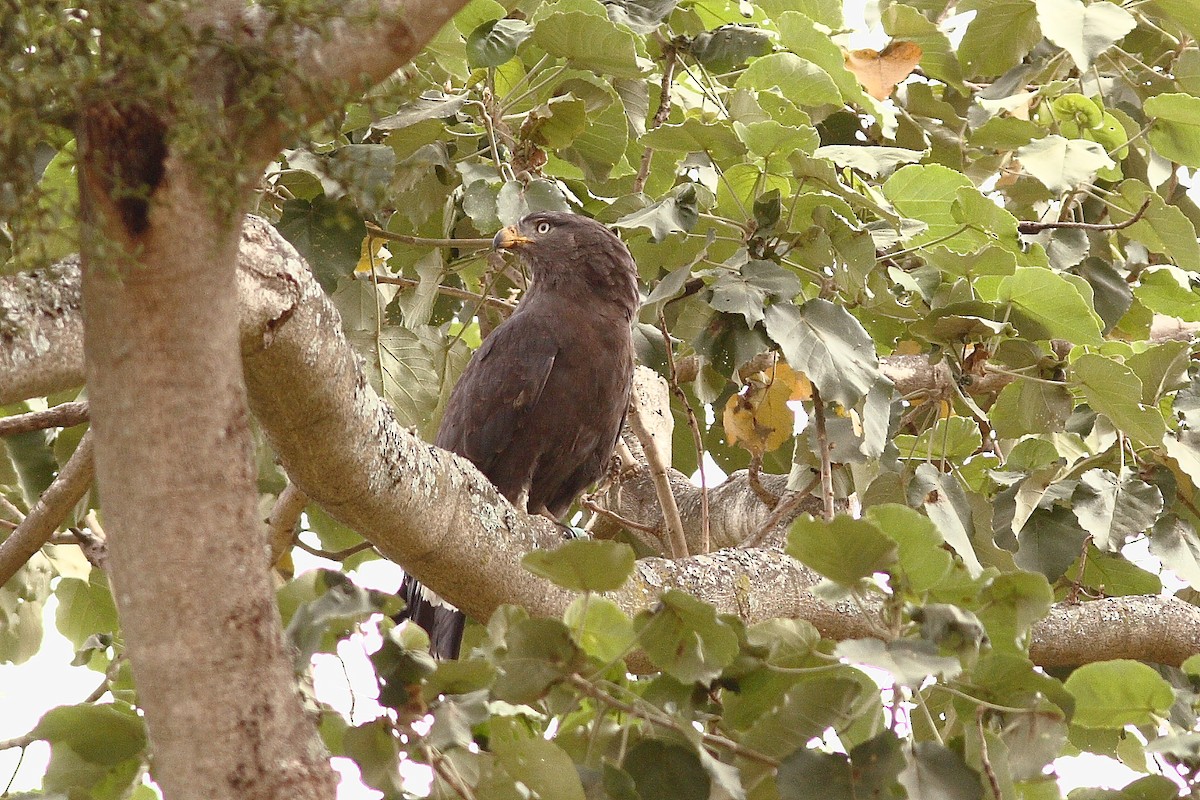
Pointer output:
x,y
999,193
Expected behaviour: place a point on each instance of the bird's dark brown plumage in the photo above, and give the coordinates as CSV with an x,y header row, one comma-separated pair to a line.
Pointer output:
x,y
539,408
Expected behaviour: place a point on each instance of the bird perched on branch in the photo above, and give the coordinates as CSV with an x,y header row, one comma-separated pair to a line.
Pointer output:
x,y
539,408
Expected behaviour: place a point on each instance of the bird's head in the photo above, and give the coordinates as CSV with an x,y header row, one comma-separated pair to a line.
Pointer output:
x,y
575,253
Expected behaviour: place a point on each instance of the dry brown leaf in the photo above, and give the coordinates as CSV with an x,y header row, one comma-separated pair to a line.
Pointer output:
x,y
880,72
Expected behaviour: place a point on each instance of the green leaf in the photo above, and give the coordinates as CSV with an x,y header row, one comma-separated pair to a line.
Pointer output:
x,y
938,59
328,233
1115,576
1063,164
827,344
923,560
844,550
1049,542
1174,542
518,199
909,662
729,46
85,608
642,16
874,161
678,212
950,437
1171,291
100,734
1112,509
935,772
1046,305
317,624
496,41
718,139
589,42
1113,694
870,770
666,771
1030,407
1163,228
1113,390
927,192
800,81
601,628
801,35
804,711
1083,31
585,565
684,638
557,122
1175,132
539,654
1001,34
543,767
600,149
1010,605
946,504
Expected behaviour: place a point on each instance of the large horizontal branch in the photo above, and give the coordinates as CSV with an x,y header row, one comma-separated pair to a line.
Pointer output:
x,y
436,515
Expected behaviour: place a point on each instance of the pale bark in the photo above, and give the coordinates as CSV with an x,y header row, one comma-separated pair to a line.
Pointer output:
x,y
188,555
434,514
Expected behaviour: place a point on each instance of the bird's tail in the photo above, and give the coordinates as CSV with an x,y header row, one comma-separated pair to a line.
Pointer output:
x,y
443,622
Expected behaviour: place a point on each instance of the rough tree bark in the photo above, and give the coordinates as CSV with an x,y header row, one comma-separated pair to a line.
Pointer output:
x,y
170,421
434,514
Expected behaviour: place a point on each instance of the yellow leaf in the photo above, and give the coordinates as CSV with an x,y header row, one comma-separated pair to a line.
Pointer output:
x,y
759,418
880,72
364,257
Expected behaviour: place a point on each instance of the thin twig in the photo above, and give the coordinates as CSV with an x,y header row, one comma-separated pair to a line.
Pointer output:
x,y
676,540
984,760
823,448
787,504
754,477
1037,227
693,423
73,481
657,718
337,555
450,776
64,415
12,778
379,233
624,522
504,306
670,58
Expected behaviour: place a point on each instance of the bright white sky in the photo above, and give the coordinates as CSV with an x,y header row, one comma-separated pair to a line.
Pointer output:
x,y
47,680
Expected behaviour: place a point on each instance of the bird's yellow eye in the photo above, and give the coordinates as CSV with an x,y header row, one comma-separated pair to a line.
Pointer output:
x,y
543,227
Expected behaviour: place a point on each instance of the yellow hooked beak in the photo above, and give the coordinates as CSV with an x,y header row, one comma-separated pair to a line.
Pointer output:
x,y
508,238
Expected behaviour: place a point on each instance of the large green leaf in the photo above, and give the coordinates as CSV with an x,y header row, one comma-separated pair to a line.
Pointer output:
x,y
1002,32
1175,133
1063,164
1112,509
1114,390
685,639
1113,694
828,345
590,42
584,564
1084,31
1046,305
935,772
800,81
845,550
496,41
101,734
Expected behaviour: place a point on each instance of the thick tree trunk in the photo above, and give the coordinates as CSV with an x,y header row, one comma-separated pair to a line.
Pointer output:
x,y
187,552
